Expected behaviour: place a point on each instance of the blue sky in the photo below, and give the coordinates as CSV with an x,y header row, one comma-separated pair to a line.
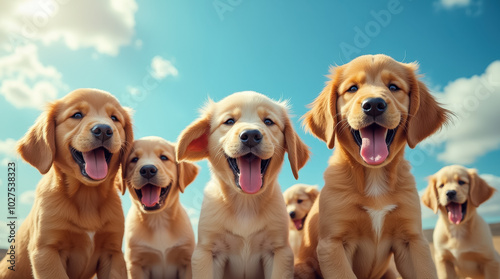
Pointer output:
x,y
165,58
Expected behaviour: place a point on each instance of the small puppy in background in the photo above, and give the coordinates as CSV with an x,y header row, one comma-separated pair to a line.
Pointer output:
x,y
159,239
243,229
463,244
298,199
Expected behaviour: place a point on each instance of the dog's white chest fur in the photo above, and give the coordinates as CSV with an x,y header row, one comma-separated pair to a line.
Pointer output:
x,y
375,182
91,235
378,216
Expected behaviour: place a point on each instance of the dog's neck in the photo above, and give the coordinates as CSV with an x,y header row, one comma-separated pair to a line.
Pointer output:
x,y
247,203
370,182
78,191
160,219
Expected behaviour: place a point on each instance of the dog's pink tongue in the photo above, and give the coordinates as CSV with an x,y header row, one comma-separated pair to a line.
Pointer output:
x,y
250,177
95,164
298,224
455,212
373,147
150,195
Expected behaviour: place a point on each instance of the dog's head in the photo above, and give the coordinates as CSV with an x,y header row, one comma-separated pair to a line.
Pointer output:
x,y
372,106
85,135
456,191
245,137
299,199
153,176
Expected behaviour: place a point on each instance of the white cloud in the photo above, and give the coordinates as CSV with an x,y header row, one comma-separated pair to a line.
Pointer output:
x,y
455,3
162,68
8,148
105,25
27,197
475,102
25,81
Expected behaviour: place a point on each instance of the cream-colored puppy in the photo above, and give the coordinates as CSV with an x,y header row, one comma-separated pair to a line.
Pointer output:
x,y
298,199
159,239
243,229
463,244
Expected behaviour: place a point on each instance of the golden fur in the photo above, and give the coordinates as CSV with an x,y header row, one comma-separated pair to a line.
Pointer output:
x,y
368,211
75,228
242,235
298,199
159,241
462,246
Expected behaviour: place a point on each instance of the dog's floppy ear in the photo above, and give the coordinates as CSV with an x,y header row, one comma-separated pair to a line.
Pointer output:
x,y
298,152
186,173
322,118
126,147
312,192
479,191
193,141
430,197
38,146
426,115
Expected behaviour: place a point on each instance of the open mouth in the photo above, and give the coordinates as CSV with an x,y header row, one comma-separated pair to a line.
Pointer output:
x,y
374,142
299,223
93,164
151,196
456,212
248,172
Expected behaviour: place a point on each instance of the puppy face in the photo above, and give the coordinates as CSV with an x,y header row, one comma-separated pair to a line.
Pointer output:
x,y
374,105
84,134
153,176
456,190
299,199
245,137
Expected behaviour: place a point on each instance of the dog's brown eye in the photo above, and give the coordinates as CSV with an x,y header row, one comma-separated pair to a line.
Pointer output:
x,y
114,118
230,121
268,122
461,182
393,87
299,201
164,158
352,89
441,186
134,160
77,115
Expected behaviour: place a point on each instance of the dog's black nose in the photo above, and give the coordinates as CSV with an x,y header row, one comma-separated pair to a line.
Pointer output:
x,y
148,171
102,132
374,106
292,214
251,137
451,194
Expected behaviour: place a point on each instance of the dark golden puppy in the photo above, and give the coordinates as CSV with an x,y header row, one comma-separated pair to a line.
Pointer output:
x,y
463,244
369,207
75,228
159,239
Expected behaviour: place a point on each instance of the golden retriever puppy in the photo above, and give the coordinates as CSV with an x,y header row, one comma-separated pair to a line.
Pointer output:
x,y
75,228
369,208
463,244
159,239
298,199
243,228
